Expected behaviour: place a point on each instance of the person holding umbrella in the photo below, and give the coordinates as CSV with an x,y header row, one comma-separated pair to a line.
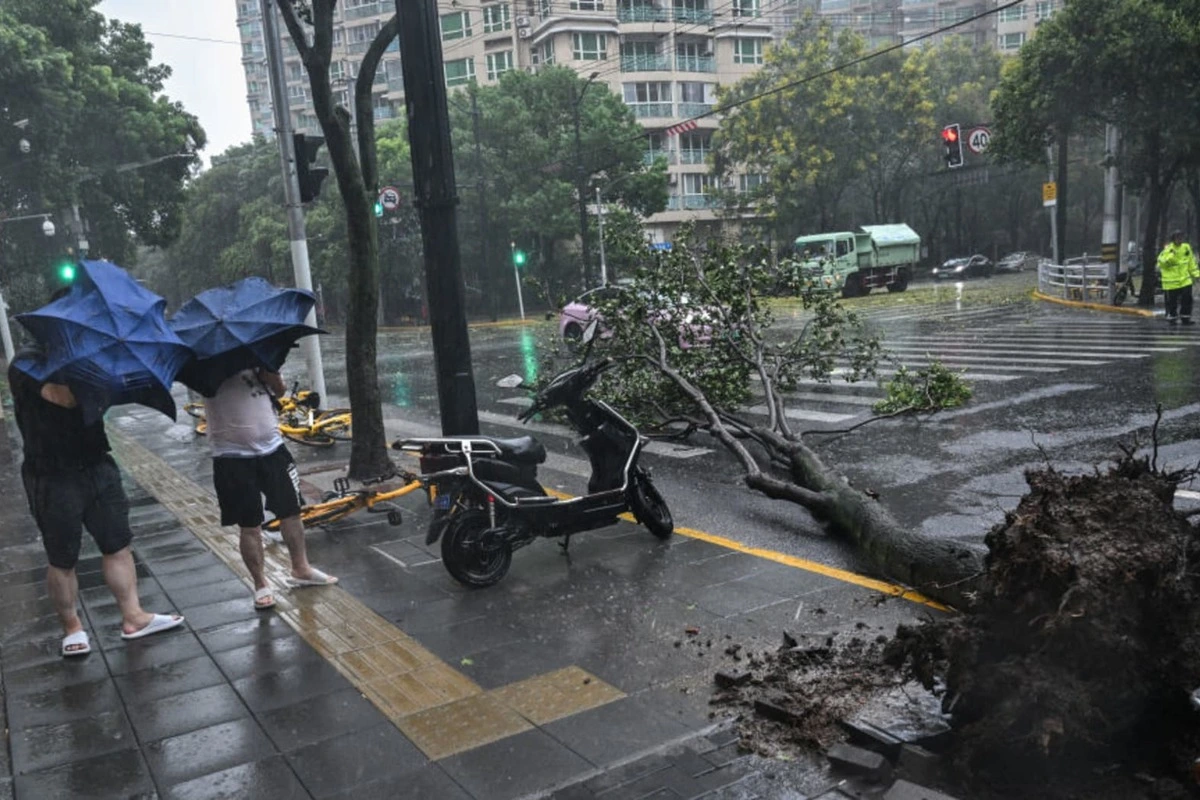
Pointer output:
x,y
72,482
240,336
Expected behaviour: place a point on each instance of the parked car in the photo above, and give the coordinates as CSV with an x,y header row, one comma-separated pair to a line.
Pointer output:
x,y
576,314
694,323
975,266
1017,262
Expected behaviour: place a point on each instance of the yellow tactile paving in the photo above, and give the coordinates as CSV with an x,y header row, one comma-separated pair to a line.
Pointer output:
x,y
441,710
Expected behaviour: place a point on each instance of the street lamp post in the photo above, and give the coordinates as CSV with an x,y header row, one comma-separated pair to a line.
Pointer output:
x,y
580,184
600,223
5,330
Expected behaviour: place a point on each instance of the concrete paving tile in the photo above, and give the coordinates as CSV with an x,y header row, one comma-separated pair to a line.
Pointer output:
x,y
429,782
191,596
19,655
223,612
167,556
40,747
454,642
615,731
278,689
23,627
92,580
54,675
192,562
108,615
167,680
269,779
23,577
261,628
120,774
359,757
188,711
108,635
181,580
263,658
6,789
735,597
20,593
510,663
74,701
690,708
318,718
207,750
153,651
501,770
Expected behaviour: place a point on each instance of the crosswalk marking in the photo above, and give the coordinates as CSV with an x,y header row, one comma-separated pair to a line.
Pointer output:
x,y
804,413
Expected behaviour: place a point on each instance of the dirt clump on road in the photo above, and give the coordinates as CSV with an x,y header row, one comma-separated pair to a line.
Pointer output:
x,y
1078,655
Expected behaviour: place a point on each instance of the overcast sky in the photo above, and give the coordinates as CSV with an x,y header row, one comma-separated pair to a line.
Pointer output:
x,y
208,77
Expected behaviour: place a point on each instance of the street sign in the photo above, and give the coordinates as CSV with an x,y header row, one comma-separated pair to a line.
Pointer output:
x,y
389,198
1049,194
978,139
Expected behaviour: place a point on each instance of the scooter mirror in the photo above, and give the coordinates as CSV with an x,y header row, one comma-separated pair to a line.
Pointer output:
x,y
510,381
589,333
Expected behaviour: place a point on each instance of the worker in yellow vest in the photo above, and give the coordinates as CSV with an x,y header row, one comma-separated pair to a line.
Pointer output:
x,y
1177,270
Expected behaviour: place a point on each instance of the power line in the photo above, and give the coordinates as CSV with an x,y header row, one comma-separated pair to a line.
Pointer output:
x,y
191,38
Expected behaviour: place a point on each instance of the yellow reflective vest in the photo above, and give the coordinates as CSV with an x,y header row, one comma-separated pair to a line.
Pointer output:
x,y
1177,266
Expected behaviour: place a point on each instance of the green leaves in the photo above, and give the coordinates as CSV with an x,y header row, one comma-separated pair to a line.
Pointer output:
x,y
928,389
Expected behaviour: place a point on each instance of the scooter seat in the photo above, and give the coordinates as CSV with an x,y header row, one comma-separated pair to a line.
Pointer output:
x,y
520,450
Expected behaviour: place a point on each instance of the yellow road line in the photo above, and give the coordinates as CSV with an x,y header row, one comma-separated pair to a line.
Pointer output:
x,y
895,590
1138,312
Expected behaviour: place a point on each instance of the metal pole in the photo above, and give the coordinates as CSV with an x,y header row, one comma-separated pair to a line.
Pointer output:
x,y
600,216
5,331
1110,233
433,181
512,246
580,190
297,240
1053,215
480,185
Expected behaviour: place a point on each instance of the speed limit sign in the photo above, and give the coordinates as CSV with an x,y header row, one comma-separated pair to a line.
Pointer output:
x,y
977,140
389,198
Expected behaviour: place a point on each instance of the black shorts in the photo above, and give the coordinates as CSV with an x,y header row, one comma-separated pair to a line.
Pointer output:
x,y
65,502
241,484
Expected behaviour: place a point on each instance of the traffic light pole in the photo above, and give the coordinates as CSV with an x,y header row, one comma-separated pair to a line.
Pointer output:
x,y
433,182
297,239
517,274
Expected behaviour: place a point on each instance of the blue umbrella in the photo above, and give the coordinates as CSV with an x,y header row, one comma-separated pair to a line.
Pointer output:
x,y
240,326
108,340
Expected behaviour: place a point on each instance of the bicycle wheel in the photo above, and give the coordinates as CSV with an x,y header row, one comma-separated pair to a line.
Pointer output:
x,y
339,428
308,438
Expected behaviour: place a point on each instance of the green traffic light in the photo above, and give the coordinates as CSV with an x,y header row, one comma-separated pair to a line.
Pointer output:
x,y
519,257
378,209
66,272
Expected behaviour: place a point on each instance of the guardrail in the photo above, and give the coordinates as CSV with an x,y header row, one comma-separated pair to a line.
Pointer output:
x,y
1089,282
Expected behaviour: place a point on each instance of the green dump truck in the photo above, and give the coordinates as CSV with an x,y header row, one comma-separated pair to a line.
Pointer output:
x,y
857,262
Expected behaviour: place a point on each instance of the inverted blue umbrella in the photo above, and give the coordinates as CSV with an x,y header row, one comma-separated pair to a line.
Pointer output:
x,y
241,326
108,340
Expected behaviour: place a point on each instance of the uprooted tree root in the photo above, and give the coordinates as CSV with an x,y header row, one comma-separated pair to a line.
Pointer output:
x,y
1084,641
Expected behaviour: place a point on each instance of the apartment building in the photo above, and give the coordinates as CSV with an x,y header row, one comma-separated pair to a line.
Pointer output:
x,y
1016,25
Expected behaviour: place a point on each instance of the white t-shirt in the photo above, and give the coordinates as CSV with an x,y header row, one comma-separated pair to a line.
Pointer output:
x,y
241,420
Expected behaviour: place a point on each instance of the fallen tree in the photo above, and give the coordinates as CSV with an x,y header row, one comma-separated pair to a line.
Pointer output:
x,y
697,317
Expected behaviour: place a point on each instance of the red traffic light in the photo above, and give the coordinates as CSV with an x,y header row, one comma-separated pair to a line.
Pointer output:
x,y
950,134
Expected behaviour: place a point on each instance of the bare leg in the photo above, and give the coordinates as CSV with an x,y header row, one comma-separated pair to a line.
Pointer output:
x,y
250,543
293,536
121,576
64,591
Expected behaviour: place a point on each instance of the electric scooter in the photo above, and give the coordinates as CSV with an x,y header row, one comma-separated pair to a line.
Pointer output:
x,y
487,498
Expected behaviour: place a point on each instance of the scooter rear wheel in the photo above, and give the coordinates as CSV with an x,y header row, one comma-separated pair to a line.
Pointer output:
x,y
467,561
649,507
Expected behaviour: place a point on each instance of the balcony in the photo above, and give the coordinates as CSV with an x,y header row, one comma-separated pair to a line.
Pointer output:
x,y
643,14
694,109
645,63
395,82
695,63
650,156
384,112
695,16
644,110
693,156
369,10
692,202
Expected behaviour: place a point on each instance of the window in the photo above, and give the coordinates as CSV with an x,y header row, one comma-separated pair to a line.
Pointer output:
x,y
498,63
747,51
362,33
1012,41
587,5
1013,14
297,92
1044,9
745,8
497,18
456,25
647,92
694,147
460,72
337,71
640,49
544,54
589,46
751,183
691,92
341,98
295,71
697,183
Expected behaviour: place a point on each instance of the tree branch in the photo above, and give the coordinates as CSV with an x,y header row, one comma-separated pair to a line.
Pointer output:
x,y
295,30
363,106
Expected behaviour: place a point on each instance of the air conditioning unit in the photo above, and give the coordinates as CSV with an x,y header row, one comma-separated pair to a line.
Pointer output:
x,y
524,33
522,22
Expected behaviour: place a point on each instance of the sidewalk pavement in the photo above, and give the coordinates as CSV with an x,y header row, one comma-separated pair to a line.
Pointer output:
x,y
579,677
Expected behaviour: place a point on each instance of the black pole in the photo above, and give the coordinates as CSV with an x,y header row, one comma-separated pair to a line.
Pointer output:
x,y
581,190
433,182
485,271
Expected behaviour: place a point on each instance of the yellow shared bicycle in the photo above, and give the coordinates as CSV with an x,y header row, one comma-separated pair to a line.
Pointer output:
x,y
300,419
344,501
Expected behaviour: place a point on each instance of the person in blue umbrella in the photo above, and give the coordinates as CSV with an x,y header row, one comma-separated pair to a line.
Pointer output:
x,y
250,462
72,482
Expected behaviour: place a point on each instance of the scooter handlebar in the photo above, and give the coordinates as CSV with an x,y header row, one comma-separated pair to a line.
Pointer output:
x,y
572,382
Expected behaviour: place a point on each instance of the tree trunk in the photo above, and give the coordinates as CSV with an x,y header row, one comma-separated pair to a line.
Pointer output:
x,y
368,449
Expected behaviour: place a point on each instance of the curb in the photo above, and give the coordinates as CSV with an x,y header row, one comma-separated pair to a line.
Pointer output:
x,y
1138,312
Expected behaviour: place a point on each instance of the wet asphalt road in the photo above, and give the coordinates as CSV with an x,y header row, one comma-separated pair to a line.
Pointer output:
x,y
1050,383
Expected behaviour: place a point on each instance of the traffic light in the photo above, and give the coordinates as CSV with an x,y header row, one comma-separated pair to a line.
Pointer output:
x,y
65,271
378,209
518,258
952,140
310,178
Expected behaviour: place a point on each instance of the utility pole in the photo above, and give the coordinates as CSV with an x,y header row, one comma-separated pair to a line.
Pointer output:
x,y
481,188
600,217
1110,233
1052,209
297,239
580,181
433,182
